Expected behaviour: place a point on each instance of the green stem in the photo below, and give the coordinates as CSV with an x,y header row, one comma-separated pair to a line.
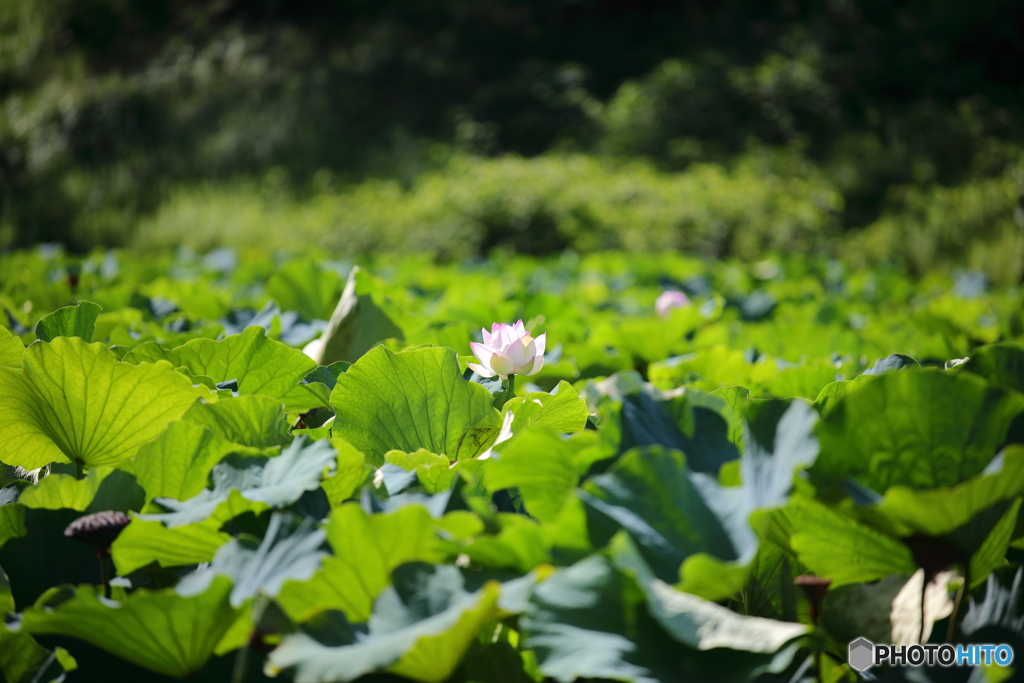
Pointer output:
x,y
924,590
242,654
964,587
509,393
102,558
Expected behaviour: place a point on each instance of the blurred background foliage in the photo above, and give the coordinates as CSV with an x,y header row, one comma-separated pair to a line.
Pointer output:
x,y
885,132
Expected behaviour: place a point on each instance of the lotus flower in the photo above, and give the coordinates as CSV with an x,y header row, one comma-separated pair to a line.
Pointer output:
x,y
670,299
508,350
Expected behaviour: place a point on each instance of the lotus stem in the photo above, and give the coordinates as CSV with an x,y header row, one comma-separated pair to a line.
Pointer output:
x,y
964,587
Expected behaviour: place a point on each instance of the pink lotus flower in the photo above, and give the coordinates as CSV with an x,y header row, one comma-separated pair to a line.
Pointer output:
x,y
670,299
508,350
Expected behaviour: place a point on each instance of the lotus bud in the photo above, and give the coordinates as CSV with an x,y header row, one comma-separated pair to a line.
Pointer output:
x,y
508,350
670,299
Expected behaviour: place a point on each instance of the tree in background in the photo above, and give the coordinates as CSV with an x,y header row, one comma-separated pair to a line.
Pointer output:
x,y
107,105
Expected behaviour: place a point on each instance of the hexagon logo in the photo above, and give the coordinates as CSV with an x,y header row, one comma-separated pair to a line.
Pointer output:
x,y
862,654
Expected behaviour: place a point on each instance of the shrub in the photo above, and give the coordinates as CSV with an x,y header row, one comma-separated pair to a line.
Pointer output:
x,y
541,205
979,224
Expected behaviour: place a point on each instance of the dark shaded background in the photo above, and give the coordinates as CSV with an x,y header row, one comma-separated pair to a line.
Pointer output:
x,y
109,104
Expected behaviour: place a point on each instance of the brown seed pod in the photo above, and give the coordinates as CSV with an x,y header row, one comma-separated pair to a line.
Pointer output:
x,y
98,529
814,587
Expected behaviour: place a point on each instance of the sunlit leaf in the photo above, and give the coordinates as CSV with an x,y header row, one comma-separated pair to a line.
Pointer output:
x,y
71,321
361,565
158,630
75,401
415,399
915,428
259,364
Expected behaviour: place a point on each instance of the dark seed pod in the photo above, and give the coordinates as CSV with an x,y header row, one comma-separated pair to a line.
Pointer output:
x,y
814,587
98,529
935,555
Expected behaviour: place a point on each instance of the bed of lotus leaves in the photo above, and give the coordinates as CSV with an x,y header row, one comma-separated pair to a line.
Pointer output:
x,y
372,510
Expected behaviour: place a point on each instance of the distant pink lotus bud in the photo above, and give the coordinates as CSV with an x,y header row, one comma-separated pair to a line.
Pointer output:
x,y
670,299
508,350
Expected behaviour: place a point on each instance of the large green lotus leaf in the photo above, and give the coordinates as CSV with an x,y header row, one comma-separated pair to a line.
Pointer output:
x,y
22,659
178,463
351,473
71,321
275,482
103,488
11,349
738,401
696,622
366,549
356,325
194,537
260,365
1000,614
831,394
289,550
12,522
541,464
321,380
586,622
158,630
411,400
652,339
920,429
804,381
435,473
281,480
674,520
779,442
522,544
256,421
562,410
306,287
990,552
144,541
1001,364
421,627
905,511
76,401
837,546
707,370
697,424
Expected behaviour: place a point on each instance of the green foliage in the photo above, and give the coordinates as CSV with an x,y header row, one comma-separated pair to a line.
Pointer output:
x,y
637,510
539,205
391,125
979,224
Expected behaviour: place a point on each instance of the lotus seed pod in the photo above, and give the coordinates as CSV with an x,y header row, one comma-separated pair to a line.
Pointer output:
x,y
814,587
98,529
